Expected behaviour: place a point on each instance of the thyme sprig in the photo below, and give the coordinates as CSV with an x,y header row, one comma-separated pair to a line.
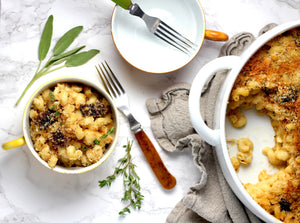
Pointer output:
x,y
71,58
132,190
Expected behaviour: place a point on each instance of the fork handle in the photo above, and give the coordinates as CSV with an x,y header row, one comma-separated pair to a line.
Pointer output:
x,y
163,175
123,3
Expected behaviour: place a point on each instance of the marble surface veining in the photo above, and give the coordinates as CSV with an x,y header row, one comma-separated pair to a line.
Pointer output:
x,y
30,193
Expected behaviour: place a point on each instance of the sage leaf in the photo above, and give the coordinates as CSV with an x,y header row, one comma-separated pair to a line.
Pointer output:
x,y
66,40
46,37
81,58
60,48
63,57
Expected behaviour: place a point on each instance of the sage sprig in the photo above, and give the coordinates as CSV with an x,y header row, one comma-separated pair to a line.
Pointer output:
x,y
132,190
60,56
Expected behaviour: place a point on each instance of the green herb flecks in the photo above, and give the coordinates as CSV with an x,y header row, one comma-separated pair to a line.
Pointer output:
x,y
132,190
84,147
51,96
69,58
96,142
53,108
109,132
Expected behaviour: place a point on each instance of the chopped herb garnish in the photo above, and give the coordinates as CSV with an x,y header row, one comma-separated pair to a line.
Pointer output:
x,y
54,107
109,132
51,96
84,147
132,190
57,114
96,142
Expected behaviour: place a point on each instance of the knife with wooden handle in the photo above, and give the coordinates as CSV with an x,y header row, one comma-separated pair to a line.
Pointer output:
x,y
165,178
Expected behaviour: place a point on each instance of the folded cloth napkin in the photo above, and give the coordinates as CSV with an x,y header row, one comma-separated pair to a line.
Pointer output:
x,y
210,199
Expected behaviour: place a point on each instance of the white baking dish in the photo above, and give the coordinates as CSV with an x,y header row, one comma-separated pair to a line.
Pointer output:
x,y
217,135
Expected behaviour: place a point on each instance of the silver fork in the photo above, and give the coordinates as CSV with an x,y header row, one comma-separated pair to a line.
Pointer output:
x,y
159,28
120,97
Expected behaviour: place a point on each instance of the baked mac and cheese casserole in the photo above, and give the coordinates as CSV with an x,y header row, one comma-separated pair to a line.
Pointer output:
x,y
71,125
270,82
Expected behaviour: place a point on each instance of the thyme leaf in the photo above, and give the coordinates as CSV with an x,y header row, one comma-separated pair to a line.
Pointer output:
x,y
132,190
70,58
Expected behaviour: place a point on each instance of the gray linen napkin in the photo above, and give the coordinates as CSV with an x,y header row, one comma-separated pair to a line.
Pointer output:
x,y
210,199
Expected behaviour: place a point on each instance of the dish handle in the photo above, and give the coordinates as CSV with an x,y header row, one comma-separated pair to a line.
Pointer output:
x,y
212,136
14,143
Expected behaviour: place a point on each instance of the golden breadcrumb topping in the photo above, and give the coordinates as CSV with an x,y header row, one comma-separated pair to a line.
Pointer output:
x,y
70,125
270,82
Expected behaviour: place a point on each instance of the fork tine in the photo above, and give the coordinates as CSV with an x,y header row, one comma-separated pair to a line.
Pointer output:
x,y
177,35
171,41
174,38
112,84
163,31
115,80
104,78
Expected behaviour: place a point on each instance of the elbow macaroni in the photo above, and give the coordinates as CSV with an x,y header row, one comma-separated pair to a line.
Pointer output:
x,y
270,82
65,135
244,154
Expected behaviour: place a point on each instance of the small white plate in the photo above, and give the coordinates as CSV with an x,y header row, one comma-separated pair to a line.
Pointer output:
x,y
142,49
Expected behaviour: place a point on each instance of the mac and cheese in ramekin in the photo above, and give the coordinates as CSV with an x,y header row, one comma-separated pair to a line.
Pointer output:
x,y
71,125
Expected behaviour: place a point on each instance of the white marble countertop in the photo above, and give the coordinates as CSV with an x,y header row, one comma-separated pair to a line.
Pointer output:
x,y
32,193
